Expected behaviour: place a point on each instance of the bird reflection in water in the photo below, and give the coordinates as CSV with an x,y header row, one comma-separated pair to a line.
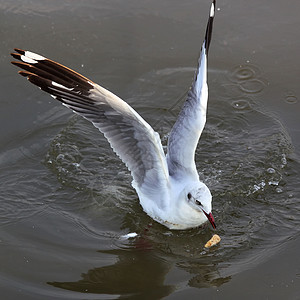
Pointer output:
x,y
140,273
137,273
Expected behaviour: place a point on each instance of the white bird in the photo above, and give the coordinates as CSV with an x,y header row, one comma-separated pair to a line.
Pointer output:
x,y
168,186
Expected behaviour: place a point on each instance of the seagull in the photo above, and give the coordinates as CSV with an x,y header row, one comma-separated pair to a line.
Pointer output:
x,y
168,185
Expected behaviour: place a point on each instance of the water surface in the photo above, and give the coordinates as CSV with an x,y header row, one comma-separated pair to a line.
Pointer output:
x,y
66,199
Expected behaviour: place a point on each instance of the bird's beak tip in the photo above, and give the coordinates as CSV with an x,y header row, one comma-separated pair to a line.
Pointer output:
x,y
210,219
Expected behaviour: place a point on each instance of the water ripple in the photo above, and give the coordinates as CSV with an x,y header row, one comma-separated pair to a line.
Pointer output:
x,y
248,79
243,73
290,98
244,156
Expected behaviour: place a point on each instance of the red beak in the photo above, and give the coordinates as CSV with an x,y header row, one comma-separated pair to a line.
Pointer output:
x,y
210,219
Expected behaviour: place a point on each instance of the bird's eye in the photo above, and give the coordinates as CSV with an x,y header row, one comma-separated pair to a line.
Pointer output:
x,y
198,202
189,195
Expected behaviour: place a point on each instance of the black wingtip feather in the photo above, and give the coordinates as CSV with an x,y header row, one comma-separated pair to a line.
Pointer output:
x,y
19,64
25,73
38,81
16,56
53,71
22,52
209,27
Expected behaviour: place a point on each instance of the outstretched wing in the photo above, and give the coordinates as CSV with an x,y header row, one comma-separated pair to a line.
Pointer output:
x,y
132,138
186,131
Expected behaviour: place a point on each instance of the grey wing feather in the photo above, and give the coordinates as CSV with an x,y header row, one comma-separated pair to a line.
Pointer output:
x,y
133,139
187,130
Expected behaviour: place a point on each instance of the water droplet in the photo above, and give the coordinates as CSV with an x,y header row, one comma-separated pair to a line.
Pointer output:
x,y
129,235
241,104
168,233
60,157
271,171
283,160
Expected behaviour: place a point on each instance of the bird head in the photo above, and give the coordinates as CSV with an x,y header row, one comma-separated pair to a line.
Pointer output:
x,y
199,198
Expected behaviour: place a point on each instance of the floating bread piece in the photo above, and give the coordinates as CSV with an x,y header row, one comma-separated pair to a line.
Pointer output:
x,y
213,241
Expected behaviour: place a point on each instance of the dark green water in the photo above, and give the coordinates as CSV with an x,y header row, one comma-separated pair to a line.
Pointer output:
x,y
66,198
